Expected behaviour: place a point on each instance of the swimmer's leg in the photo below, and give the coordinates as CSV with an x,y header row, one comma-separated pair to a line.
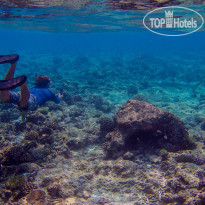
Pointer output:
x,y
10,82
25,94
5,94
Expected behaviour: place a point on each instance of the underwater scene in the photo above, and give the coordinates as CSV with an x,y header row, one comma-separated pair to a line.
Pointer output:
x,y
97,109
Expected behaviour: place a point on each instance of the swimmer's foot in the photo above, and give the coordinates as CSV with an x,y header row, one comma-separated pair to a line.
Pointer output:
x,y
9,58
12,83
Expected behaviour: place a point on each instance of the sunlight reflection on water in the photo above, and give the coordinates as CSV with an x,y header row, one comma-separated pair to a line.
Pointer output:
x,y
67,16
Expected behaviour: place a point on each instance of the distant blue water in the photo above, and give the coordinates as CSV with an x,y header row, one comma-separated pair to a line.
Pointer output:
x,y
14,41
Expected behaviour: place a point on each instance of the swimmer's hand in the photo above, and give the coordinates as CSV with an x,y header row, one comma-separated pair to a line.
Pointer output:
x,y
59,95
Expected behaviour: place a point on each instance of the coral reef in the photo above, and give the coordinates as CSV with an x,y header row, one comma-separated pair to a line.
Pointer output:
x,y
132,90
57,156
101,104
138,124
190,158
140,97
106,124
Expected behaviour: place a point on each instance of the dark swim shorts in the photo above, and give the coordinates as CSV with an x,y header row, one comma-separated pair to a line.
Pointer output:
x,y
15,98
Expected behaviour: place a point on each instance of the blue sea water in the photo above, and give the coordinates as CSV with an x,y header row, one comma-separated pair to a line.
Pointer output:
x,y
173,59
57,43
106,65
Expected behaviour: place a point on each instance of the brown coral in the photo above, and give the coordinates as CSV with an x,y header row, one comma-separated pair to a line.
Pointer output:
x,y
140,125
36,197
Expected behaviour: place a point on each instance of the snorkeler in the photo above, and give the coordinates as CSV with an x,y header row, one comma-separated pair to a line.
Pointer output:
x,y
25,99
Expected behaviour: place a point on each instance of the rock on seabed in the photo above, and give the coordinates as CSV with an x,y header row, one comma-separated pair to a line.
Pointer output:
x,y
141,124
